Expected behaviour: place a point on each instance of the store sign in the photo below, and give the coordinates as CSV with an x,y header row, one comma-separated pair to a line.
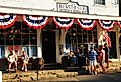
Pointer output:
x,y
72,7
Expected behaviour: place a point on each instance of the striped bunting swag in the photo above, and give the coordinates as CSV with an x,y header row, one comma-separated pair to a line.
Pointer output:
x,y
36,22
86,24
7,20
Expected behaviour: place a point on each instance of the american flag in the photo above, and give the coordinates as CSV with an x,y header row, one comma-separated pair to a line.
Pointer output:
x,y
107,38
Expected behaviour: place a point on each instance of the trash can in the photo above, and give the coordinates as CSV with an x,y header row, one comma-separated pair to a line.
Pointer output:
x,y
36,63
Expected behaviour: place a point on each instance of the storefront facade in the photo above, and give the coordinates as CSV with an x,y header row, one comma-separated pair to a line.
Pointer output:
x,y
57,36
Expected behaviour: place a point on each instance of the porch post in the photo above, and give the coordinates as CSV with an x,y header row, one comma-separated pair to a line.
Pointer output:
x,y
39,44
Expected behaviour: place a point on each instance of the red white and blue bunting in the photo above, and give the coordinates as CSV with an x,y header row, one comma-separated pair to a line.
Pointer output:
x,y
86,24
107,24
63,22
36,22
119,23
7,20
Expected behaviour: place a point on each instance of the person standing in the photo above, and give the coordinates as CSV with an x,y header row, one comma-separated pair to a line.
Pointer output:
x,y
106,48
25,59
101,58
92,61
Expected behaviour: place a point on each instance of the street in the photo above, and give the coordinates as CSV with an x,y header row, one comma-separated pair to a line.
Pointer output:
x,y
109,77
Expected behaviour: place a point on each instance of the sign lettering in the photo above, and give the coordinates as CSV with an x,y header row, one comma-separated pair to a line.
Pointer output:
x,y
72,7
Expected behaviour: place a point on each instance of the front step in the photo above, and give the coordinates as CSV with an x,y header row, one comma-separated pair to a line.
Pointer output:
x,y
52,66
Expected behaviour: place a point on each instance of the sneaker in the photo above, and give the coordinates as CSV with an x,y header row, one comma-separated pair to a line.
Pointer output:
x,y
95,73
25,69
22,68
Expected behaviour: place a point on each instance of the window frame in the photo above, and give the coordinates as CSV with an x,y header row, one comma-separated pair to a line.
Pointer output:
x,y
99,2
18,30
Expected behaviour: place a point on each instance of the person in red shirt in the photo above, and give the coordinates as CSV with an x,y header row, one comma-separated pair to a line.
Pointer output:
x,y
101,58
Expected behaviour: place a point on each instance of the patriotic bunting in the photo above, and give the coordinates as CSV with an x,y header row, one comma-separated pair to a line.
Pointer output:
x,y
86,24
107,39
7,20
36,22
62,22
119,23
104,38
107,24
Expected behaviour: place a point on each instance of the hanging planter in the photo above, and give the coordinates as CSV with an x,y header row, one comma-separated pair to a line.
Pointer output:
x,y
36,22
106,24
63,22
86,24
7,20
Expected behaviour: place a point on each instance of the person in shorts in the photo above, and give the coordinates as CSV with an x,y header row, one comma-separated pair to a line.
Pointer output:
x,y
101,58
92,61
25,60
12,59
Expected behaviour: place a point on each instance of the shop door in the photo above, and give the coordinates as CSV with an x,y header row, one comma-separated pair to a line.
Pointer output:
x,y
48,46
113,53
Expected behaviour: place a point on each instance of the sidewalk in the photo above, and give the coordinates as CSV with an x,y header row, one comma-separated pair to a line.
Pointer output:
x,y
58,75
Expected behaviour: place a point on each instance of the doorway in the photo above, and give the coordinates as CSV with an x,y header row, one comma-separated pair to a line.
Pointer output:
x,y
113,53
48,46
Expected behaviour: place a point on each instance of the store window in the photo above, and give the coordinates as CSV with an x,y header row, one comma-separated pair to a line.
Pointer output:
x,y
79,38
19,37
99,2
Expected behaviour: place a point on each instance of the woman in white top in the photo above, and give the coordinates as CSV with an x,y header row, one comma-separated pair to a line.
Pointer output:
x,y
12,59
25,59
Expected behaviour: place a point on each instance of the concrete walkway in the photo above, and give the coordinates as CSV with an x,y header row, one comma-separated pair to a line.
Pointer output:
x,y
109,77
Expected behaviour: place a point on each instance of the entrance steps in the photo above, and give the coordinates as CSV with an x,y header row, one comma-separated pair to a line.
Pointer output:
x,y
52,66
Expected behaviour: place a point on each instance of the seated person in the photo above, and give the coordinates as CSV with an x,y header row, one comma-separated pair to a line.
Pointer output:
x,y
73,58
12,59
25,60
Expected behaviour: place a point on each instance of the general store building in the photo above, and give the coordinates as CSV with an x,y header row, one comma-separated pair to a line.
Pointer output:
x,y
51,28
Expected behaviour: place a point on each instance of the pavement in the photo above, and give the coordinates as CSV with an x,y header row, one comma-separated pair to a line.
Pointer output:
x,y
109,77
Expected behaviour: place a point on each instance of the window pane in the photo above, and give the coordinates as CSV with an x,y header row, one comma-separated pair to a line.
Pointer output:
x,y
19,35
2,52
30,50
77,37
100,2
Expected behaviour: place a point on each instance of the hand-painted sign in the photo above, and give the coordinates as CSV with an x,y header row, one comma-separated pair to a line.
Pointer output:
x,y
72,7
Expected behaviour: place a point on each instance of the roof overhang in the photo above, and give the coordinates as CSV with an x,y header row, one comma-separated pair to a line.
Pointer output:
x,y
16,10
